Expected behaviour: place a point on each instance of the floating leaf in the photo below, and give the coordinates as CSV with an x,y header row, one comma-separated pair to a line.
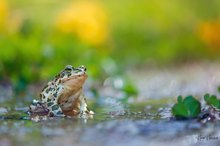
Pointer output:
x,y
212,100
179,99
187,108
179,110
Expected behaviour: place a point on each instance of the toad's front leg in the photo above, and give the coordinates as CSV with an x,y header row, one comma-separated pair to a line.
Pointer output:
x,y
84,111
54,109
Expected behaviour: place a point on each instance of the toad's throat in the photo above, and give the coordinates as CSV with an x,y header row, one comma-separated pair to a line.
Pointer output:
x,y
74,82
70,100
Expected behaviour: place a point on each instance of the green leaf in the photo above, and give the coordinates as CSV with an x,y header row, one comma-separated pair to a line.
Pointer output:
x,y
179,98
206,97
212,100
179,110
187,108
193,106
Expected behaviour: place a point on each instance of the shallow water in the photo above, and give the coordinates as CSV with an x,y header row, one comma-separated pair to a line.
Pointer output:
x,y
143,120
147,123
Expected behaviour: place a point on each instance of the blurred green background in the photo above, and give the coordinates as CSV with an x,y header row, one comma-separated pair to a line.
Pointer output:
x,y
39,37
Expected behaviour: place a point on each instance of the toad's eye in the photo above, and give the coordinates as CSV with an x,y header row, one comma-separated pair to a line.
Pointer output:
x,y
82,67
68,68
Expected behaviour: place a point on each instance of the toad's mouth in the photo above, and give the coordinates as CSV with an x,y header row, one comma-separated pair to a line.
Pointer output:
x,y
75,80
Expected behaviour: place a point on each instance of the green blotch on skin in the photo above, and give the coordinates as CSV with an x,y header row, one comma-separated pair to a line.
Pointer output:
x,y
55,94
59,113
69,74
55,107
49,89
49,100
50,103
62,74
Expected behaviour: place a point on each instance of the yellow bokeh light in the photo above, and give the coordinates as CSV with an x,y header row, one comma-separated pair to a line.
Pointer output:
x,y
3,13
209,33
86,19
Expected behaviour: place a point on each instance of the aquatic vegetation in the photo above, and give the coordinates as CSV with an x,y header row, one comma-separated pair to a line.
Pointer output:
x,y
189,107
212,100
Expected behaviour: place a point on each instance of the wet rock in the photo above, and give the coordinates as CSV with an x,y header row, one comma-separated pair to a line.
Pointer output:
x,y
165,113
209,114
